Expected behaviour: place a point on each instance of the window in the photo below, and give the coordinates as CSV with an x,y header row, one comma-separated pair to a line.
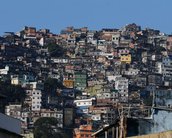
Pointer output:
x,y
86,135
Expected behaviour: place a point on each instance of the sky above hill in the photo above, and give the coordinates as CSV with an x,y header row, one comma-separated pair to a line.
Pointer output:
x,y
95,14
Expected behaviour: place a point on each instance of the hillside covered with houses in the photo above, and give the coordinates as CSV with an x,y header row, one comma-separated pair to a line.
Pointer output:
x,y
81,77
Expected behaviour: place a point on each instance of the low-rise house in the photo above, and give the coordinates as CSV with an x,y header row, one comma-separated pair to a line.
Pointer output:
x,y
15,110
60,60
68,83
90,38
83,105
123,51
4,71
22,79
132,72
80,80
107,113
126,59
116,38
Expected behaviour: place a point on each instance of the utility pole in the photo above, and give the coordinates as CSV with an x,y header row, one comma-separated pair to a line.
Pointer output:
x,y
122,124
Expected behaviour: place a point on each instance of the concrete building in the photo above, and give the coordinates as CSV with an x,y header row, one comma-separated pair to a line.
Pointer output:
x,y
126,59
121,84
83,105
34,99
13,110
80,80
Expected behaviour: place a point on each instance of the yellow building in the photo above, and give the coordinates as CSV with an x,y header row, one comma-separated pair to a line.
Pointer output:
x,y
126,58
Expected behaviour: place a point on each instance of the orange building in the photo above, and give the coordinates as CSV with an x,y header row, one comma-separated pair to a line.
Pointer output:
x,y
68,83
84,131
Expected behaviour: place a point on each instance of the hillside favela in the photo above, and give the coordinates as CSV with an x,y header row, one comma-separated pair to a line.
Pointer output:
x,y
82,83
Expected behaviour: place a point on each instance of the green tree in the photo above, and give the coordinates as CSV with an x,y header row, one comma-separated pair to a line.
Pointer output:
x,y
55,50
14,93
51,85
46,127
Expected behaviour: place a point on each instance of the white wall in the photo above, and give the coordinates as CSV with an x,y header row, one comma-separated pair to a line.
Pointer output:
x,y
83,102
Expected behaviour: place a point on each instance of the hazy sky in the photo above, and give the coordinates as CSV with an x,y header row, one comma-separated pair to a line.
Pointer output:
x,y
95,14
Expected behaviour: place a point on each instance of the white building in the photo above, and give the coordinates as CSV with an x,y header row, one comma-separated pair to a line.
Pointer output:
x,y
116,38
34,99
132,72
90,38
4,71
83,105
165,67
60,60
96,117
42,41
13,110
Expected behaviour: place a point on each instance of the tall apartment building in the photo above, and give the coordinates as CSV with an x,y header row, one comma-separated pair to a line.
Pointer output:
x,y
34,99
121,84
